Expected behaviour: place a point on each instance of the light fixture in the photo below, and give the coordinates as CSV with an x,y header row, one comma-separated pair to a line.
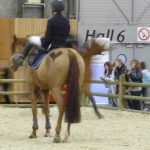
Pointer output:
x,y
129,45
139,45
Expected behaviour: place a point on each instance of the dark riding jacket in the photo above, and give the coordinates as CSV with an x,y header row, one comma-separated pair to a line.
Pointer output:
x,y
57,31
117,72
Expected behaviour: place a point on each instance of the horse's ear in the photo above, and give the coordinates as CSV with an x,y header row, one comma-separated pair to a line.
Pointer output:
x,y
13,43
15,37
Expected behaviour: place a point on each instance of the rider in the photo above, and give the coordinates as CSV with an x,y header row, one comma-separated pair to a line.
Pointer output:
x,y
58,28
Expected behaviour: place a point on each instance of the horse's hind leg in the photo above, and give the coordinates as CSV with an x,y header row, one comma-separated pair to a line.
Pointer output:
x,y
46,112
67,133
99,115
34,113
57,96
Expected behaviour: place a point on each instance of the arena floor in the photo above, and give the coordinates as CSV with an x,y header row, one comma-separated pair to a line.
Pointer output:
x,y
119,130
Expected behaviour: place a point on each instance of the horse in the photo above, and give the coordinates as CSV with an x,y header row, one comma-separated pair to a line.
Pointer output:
x,y
60,66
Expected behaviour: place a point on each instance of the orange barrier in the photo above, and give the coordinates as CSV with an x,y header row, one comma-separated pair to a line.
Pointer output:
x,y
63,90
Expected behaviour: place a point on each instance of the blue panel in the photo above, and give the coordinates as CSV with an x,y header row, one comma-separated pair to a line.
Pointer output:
x,y
97,72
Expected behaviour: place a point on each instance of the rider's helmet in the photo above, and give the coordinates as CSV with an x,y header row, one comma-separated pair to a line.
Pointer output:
x,y
58,6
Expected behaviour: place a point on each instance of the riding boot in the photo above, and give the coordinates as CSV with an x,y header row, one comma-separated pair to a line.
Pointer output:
x,y
27,48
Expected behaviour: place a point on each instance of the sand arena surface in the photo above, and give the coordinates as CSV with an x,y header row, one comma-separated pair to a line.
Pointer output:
x,y
119,130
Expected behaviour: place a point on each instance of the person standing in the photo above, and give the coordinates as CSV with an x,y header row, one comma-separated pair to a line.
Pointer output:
x,y
145,80
135,76
108,76
145,76
119,69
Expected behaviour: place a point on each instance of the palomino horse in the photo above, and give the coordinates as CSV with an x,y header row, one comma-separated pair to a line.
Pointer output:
x,y
60,66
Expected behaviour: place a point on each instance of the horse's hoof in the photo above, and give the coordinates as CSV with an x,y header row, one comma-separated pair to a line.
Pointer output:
x,y
47,134
65,140
32,136
57,140
100,116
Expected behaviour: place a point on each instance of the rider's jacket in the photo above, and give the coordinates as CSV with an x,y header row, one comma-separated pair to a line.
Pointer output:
x,y
57,31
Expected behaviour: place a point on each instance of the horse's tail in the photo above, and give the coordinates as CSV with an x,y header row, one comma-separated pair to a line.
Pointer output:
x,y
72,111
94,49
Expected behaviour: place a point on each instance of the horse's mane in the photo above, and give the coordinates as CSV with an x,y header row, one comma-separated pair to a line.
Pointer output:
x,y
18,41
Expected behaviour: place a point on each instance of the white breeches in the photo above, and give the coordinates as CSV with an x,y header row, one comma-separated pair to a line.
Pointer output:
x,y
35,40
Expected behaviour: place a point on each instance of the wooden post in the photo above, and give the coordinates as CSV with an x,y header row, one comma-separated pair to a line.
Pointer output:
x,y
121,92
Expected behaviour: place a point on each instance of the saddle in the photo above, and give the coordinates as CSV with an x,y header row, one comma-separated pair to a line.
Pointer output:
x,y
38,54
36,57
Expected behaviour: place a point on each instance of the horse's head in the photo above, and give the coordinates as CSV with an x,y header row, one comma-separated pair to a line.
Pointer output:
x,y
17,52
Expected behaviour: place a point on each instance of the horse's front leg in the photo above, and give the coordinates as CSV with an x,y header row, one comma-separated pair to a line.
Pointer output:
x,y
47,112
34,113
61,106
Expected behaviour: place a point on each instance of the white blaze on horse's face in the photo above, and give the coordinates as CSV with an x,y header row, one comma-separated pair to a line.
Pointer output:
x,y
17,52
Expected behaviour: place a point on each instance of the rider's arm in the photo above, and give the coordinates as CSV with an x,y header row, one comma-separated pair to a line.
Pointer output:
x,y
46,40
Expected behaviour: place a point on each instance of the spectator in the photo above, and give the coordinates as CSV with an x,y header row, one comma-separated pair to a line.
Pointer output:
x,y
135,75
145,76
119,69
145,79
108,76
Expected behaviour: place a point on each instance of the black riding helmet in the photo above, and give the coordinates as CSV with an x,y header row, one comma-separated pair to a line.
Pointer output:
x,y
58,6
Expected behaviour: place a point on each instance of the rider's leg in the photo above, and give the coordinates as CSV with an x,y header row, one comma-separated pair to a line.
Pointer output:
x,y
27,48
32,41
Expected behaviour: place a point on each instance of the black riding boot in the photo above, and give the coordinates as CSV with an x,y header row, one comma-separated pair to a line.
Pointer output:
x,y
27,48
